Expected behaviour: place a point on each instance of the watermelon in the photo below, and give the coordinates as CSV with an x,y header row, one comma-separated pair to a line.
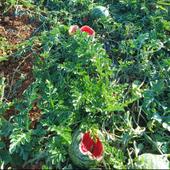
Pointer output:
x,y
152,161
99,11
84,151
88,30
72,30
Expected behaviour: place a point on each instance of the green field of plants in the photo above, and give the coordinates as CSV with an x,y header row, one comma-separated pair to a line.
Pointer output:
x,y
84,84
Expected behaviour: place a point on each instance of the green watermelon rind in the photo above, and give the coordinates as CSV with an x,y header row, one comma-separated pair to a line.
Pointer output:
x,y
78,158
99,11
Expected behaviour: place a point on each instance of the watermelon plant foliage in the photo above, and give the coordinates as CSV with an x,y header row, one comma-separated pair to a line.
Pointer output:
x,y
117,82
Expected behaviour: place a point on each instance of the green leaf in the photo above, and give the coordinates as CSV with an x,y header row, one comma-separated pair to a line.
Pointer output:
x,y
18,139
5,156
64,132
164,3
2,145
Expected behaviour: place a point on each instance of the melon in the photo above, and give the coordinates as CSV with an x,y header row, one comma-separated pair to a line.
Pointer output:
x,y
152,161
84,151
99,11
72,30
88,30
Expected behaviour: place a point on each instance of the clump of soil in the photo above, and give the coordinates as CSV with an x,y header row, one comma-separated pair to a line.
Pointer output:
x,y
16,28
13,70
34,114
10,112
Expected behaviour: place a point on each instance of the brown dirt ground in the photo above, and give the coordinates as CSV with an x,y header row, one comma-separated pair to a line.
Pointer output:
x,y
16,30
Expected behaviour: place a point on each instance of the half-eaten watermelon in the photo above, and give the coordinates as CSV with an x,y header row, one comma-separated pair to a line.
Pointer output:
x,y
85,151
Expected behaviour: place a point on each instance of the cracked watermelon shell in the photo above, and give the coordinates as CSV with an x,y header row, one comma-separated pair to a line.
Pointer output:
x,y
84,151
99,11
